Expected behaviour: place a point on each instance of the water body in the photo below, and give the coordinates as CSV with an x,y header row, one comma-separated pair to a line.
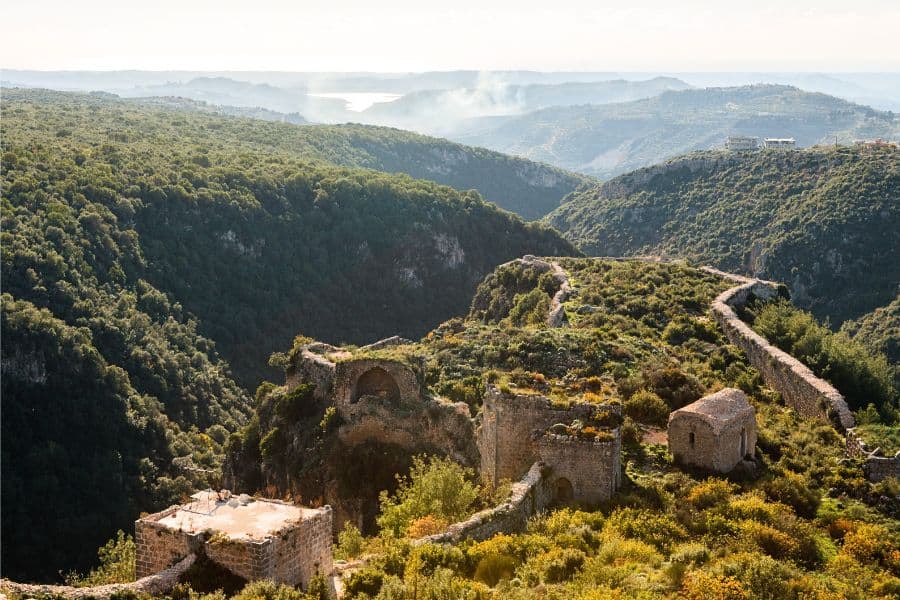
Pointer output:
x,y
359,101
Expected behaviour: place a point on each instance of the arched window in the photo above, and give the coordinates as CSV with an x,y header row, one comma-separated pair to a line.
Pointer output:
x,y
378,383
691,439
743,442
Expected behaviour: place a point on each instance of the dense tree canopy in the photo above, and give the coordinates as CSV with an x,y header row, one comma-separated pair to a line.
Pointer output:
x,y
139,243
825,221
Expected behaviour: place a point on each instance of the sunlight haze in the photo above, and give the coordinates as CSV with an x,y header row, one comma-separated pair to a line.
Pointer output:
x,y
406,35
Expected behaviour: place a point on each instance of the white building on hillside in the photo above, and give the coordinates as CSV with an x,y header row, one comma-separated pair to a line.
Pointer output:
x,y
778,143
737,143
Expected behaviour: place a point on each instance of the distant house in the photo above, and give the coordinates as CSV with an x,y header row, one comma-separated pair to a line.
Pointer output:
x,y
716,432
737,143
779,143
876,143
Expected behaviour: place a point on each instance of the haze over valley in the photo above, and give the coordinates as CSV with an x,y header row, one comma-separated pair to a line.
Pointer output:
x,y
480,300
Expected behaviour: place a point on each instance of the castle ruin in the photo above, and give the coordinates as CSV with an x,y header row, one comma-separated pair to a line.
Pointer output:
x,y
519,430
252,538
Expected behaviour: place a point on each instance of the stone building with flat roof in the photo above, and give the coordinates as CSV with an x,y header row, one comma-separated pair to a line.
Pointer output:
x,y
716,432
252,538
779,143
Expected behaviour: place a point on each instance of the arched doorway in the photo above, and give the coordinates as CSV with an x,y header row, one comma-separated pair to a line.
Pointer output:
x,y
562,491
378,383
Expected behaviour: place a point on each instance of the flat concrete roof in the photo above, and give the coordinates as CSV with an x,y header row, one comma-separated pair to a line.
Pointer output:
x,y
255,520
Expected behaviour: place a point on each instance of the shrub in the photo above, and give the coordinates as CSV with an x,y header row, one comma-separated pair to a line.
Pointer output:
x,y
617,551
116,563
427,525
649,526
435,487
690,553
699,585
710,493
269,590
493,568
754,506
428,558
764,577
350,542
647,407
559,564
867,543
769,540
365,581
793,490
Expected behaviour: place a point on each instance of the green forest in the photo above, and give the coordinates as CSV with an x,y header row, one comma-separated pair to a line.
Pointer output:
x,y
144,251
825,221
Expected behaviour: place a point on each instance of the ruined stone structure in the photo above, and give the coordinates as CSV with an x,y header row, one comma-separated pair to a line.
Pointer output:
x,y
385,409
528,497
254,539
514,435
350,381
580,469
156,584
716,432
804,392
875,465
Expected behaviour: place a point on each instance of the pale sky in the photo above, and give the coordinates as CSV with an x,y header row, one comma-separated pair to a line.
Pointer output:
x,y
418,35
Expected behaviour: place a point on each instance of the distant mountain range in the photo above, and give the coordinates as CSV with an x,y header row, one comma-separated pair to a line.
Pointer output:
x,y
610,139
440,111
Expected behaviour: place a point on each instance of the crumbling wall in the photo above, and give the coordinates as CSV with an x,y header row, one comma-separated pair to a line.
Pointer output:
x,y
506,438
801,389
875,466
528,497
593,467
156,584
157,547
312,367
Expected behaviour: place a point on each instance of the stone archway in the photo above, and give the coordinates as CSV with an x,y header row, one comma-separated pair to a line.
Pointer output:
x,y
378,383
563,493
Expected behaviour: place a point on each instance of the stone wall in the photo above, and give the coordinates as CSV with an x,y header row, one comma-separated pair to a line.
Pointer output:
x,y
590,469
875,466
305,551
801,389
154,585
506,438
528,497
312,367
250,559
157,547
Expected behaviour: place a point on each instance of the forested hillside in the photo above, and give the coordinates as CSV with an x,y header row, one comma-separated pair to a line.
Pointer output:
x,y
527,188
879,330
136,242
825,221
614,138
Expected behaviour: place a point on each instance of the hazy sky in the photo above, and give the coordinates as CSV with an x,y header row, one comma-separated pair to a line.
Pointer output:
x,y
415,35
